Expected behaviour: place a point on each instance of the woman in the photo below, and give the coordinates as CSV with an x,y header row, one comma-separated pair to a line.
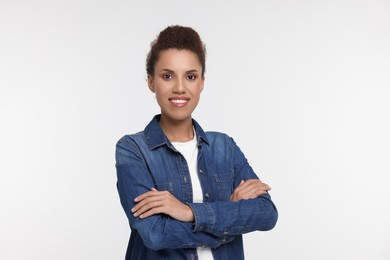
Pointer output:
x,y
188,194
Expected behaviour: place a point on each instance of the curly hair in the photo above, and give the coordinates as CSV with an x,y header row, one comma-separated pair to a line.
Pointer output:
x,y
176,37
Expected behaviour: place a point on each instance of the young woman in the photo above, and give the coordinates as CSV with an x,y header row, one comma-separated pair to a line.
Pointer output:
x,y
188,194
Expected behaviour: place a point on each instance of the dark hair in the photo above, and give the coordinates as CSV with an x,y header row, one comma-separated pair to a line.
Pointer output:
x,y
176,37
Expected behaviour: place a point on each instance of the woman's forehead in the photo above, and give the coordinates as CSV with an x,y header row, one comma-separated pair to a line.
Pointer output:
x,y
178,59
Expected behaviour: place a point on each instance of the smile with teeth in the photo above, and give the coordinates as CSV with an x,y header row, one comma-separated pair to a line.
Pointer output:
x,y
179,102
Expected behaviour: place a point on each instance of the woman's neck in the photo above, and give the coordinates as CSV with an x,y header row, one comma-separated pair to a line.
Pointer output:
x,y
177,131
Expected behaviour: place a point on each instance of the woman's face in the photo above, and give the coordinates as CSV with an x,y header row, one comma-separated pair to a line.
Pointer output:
x,y
177,83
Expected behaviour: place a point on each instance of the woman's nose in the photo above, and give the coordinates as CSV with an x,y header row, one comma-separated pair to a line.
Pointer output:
x,y
179,87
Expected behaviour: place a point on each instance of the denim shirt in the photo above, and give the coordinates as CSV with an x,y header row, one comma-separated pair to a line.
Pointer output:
x,y
148,159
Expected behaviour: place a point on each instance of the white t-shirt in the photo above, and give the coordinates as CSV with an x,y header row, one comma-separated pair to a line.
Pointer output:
x,y
190,152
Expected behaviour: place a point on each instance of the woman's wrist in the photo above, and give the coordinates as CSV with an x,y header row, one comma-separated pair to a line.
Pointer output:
x,y
190,214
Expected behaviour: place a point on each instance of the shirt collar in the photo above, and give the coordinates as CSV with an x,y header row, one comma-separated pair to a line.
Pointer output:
x,y
155,136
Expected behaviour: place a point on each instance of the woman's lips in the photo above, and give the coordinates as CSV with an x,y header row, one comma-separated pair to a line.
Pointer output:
x,y
179,102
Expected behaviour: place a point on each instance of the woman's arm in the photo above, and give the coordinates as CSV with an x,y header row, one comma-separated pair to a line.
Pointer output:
x,y
245,215
159,231
250,207
235,218
156,202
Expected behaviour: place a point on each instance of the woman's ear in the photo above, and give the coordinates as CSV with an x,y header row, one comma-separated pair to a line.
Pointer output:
x,y
151,83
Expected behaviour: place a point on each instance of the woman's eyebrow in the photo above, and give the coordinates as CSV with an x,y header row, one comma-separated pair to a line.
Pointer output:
x,y
168,70
171,71
191,71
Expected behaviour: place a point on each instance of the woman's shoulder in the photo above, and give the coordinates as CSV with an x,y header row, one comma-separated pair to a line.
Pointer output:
x,y
217,134
131,137
217,137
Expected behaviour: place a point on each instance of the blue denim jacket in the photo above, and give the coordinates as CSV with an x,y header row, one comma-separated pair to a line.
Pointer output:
x,y
148,159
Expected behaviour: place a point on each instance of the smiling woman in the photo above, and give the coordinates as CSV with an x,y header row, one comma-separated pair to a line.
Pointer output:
x,y
178,183
177,83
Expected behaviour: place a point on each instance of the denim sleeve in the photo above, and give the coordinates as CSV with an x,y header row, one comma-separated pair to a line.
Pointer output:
x,y
158,231
234,218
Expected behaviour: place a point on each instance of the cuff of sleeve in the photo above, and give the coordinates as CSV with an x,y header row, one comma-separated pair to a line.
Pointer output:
x,y
205,218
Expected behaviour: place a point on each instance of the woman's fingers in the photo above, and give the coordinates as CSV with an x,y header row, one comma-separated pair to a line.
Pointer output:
x,y
151,212
150,206
153,192
242,185
249,189
156,202
146,198
250,183
253,191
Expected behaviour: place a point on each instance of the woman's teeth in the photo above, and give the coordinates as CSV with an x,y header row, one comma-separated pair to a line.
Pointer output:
x,y
179,101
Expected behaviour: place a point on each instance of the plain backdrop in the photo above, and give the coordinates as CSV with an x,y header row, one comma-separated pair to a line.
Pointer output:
x,y
302,86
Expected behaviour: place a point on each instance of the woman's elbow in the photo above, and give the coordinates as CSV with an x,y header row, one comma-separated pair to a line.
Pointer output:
x,y
154,243
268,216
271,219
155,239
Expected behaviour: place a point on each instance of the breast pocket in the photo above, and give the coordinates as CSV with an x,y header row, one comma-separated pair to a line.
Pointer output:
x,y
224,185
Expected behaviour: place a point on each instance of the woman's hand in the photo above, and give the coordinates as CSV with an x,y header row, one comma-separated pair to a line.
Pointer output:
x,y
156,202
249,189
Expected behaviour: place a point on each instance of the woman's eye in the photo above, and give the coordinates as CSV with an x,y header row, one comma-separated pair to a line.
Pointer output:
x,y
191,77
167,76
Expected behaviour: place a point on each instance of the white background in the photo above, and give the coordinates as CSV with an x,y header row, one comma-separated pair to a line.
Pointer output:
x,y
302,86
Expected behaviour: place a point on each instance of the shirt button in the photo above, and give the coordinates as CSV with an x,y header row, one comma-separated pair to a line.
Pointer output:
x,y
200,171
207,195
